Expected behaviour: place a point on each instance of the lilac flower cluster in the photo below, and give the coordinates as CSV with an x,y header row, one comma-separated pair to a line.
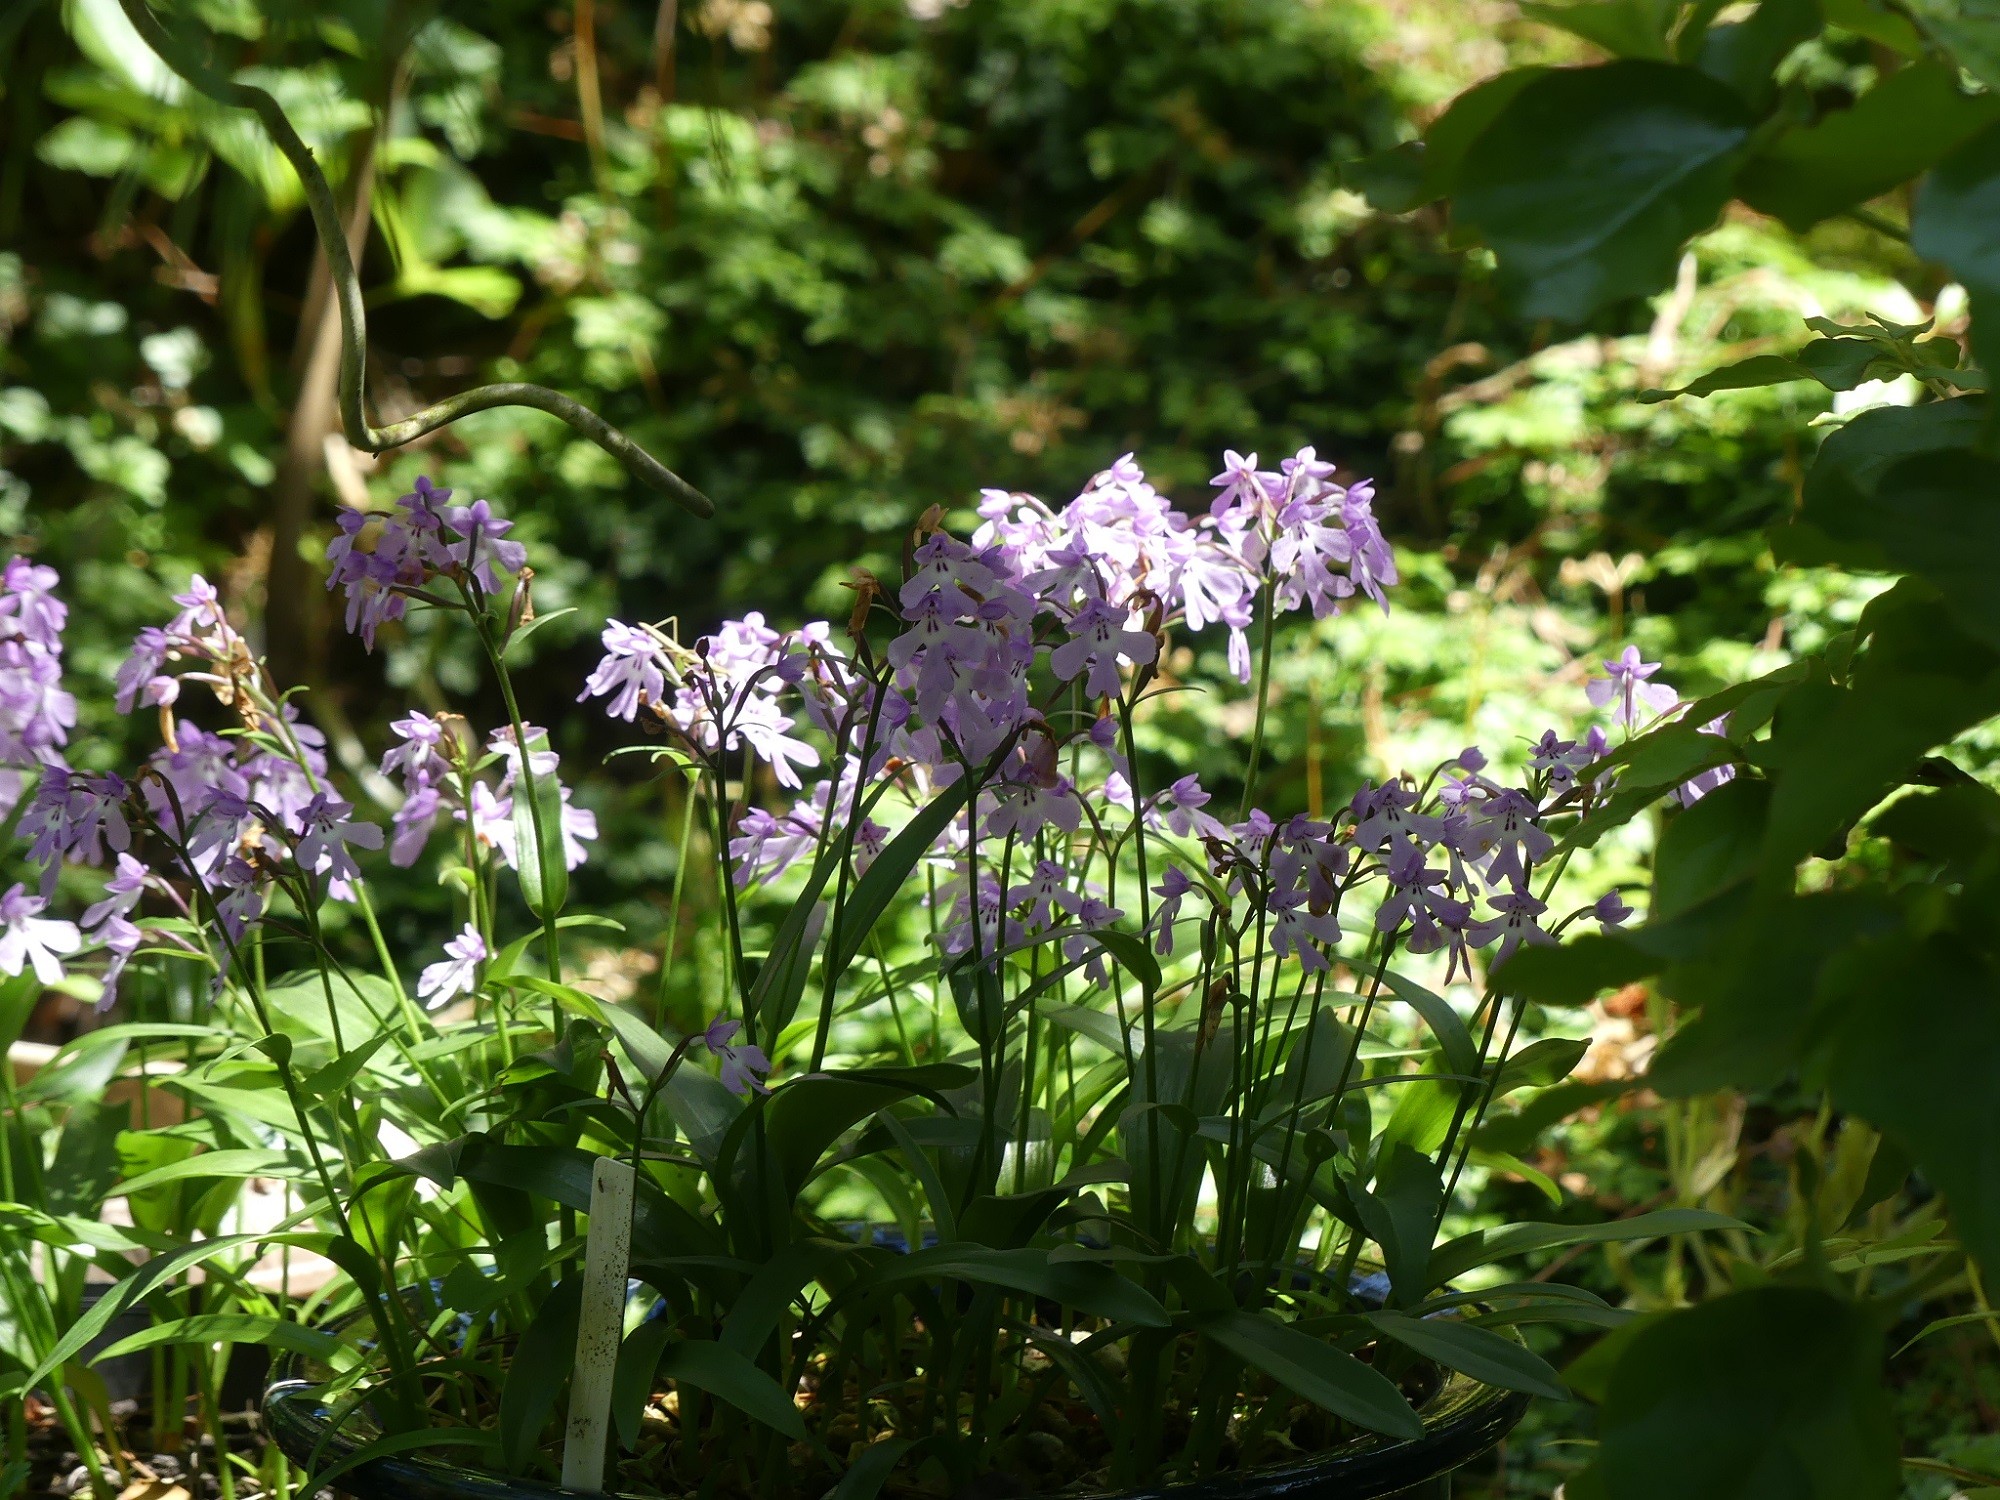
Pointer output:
x,y
36,713
378,561
438,779
1004,636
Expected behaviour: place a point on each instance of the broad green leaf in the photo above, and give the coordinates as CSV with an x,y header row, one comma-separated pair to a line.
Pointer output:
x,y
1588,183
888,873
1579,970
1314,1370
728,1376
1461,1053
1541,1064
1484,1246
1401,1215
1892,133
866,1474
1710,848
635,1374
539,864
1478,1352
1775,1393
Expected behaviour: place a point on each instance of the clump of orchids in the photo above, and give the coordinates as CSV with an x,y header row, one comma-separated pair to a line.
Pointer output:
x,y
1131,1030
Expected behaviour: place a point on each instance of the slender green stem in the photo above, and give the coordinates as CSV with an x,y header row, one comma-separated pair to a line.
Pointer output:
x,y
1266,614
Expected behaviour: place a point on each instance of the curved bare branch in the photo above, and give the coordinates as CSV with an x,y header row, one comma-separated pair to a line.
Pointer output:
x,y
353,318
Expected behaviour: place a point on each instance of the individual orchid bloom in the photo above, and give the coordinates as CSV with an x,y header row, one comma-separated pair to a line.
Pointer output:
x,y
1610,911
1371,563
30,612
1025,808
767,843
1413,885
420,757
542,761
425,506
1041,893
1298,930
1517,922
241,902
951,577
870,839
1626,691
1179,810
631,674
1509,825
481,546
1241,484
744,1067
1099,643
957,936
28,940
1173,889
1386,819
411,824
457,973
327,829
75,815
140,678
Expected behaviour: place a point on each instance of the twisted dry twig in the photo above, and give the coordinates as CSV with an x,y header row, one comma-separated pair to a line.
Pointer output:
x,y
347,293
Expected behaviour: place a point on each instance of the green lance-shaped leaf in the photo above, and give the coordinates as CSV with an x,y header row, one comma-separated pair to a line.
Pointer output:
x,y
537,1372
1484,1246
1478,1352
886,876
236,1328
728,1376
1590,180
1315,1370
1094,1290
538,845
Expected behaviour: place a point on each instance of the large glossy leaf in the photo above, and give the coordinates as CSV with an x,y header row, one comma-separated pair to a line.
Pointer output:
x,y
1315,1370
1770,1394
1915,1054
1892,133
1953,224
1590,180
1401,1215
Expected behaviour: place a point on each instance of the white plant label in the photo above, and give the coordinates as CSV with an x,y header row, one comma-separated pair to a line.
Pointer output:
x,y
600,1325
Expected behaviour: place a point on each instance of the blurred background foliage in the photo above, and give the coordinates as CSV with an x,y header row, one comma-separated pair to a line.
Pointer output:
x,y
839,262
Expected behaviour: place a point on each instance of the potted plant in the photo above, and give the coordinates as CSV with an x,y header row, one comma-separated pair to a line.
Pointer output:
x,y
1167,1106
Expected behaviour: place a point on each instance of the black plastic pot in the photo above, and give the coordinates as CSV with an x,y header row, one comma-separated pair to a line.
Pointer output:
x,y
1463,1420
